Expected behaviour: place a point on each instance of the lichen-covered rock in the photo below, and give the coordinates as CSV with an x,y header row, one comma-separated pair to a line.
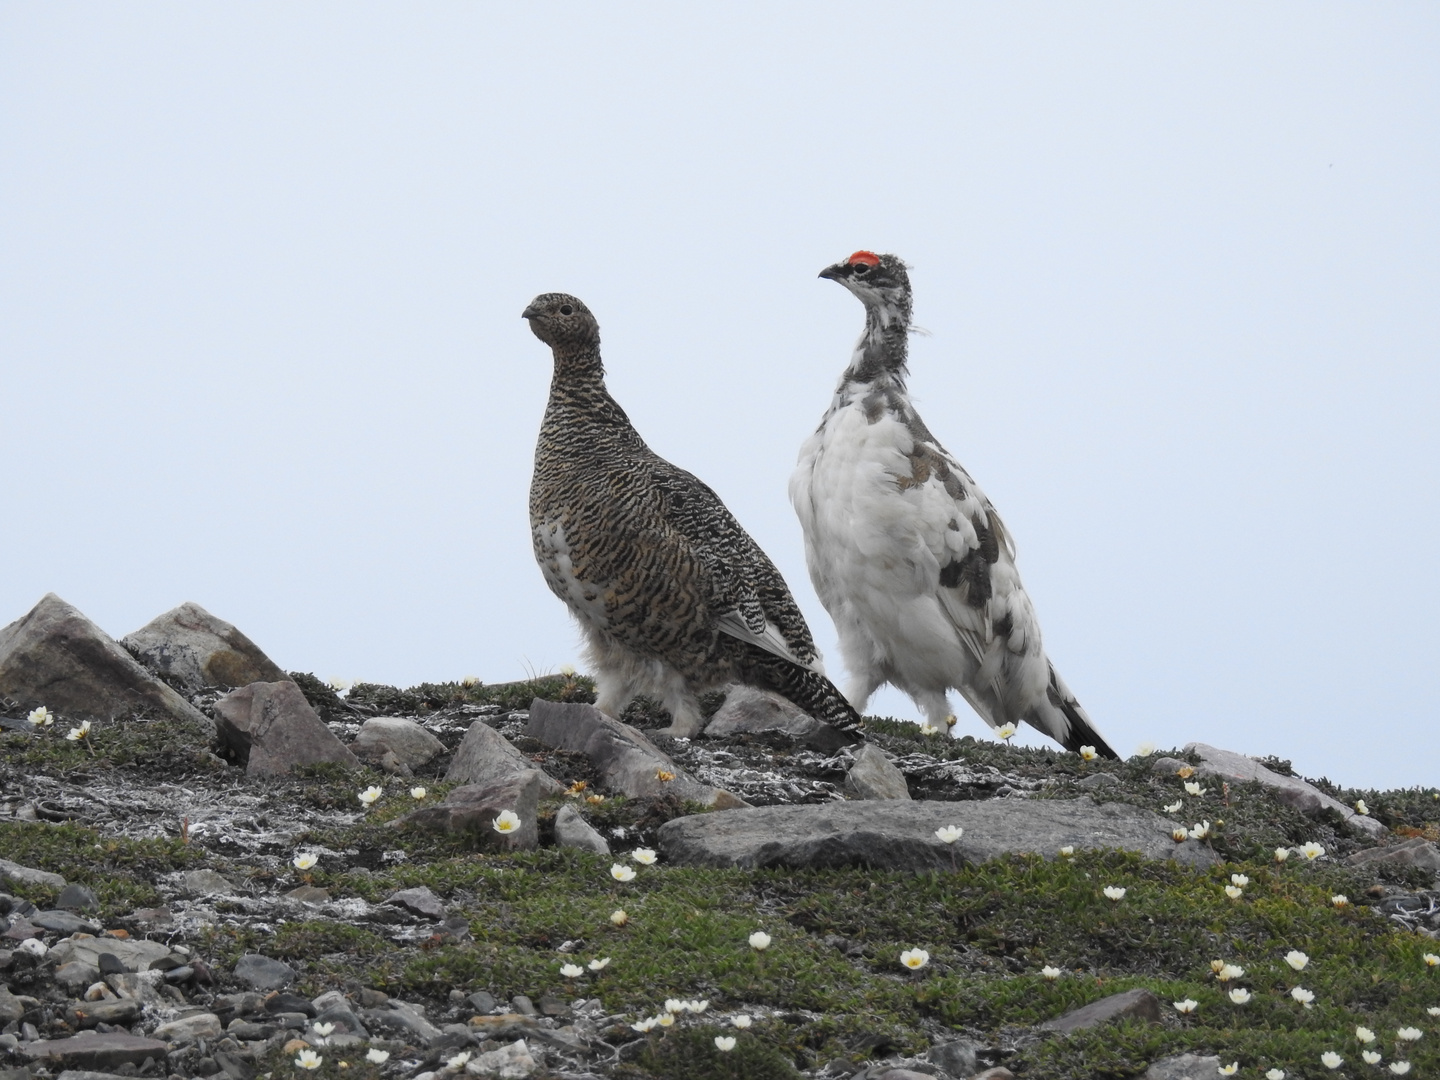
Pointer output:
x,y
56,657
484,755
573,831
474,808
1137,1004
407,740
272,728
190,646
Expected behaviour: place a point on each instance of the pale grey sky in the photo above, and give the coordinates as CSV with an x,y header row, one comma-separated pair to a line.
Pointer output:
x,y
262,267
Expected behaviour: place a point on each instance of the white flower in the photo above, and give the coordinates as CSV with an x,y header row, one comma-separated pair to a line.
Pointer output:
x,y
725,1042
1297,959
370,794
1434,1010
305,860
1312,850
760,941
1174,807
323,1030
1239,995
1408,1034
643,855
418,793
1431,959
568,670
459,1060
1399,1068
1281,854
1331,1060
1114,892
674,1005
1234,892
621,872
507,821
600,964
1051,973
1145,749
376,1056
77,733
337,684
1340,900
1371,1057
1275,1074
1230,1070
950,833
1192,788
927,728
1360,807
470,680
1180,835
571,971
1067,851
1303,996
644,1025
618,917
665,1019
1239,879
697,1007
1006,731
41,717
1087,753
1229,971
309,1059
1200,831
914,959
1189,1005
1364,1034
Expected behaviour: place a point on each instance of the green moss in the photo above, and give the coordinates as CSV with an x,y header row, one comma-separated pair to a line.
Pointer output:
x,y
691,1054
119,870
427,697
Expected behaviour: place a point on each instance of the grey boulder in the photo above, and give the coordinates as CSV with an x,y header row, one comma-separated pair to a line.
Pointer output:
x,y
190,646
56,657
874,776
95,1051
272,728
1135,1004
407,740
1416,851
474,808
573,831
484,755
751,711
262,973
629,762
1184,1067
13,871
418,901
134,954
901,835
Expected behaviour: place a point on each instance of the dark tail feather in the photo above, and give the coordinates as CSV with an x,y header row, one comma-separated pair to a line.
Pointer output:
x,y
810,691
1079,731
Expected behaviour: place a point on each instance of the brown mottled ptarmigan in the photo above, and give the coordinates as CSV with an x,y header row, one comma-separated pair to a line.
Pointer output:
x,y
672,595
906,552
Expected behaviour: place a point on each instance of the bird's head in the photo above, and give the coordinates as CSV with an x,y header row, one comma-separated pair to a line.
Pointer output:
x,y
880,281
562,322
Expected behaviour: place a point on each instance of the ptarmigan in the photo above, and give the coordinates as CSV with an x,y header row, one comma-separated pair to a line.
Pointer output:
x,y
672,595
906,552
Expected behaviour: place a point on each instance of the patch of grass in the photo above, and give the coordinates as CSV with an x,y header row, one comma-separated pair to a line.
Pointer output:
x,y
691,1054
119,870
427,697
136,741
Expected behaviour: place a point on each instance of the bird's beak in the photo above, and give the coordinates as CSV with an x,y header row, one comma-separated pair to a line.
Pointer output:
x,y
837,272
530,312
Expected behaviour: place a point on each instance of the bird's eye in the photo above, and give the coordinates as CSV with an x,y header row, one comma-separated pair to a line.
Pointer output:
x,y
566,309
861,269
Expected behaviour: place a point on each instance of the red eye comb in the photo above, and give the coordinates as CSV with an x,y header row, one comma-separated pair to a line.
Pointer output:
x,y
869,258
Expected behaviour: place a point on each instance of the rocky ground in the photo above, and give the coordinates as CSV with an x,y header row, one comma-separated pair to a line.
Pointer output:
x,y
237,872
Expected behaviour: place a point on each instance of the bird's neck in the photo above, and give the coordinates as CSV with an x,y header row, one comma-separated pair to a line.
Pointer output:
x,y
881,352
578,396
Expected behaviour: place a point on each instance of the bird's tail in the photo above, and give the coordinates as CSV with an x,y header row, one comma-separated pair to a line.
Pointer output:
x,y
808,689
1065,721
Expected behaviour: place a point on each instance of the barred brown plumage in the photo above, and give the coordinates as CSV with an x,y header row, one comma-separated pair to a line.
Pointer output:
x,y
672,595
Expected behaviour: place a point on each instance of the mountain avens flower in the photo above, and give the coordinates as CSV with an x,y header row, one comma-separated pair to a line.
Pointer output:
x,y
338,684
642,1026
1303,996
643,855
1275,1074
470,680
1296,959
600,964
742,1021
459,1060
418,793
1180,835
1145,749
1231,1069
1281,854
621,872
1192,788
1371,1057
914,959
1239,995
1431,959
1186,1007
1364,1034
1434,1010
506,822
41,717
1239,879
949,833
1051,973
1234,892
1005,731
1360,807
1087,753
1200,831
1340,900
927,728
571,971
324,1030
1312,850
370,794
1226,972
1408,1034
305,860
1067,851
309,1059
666,1019
1331,1060
725,1043
1114,892
75,734
618,917
1399,1068
760,941
1174,807
377,1056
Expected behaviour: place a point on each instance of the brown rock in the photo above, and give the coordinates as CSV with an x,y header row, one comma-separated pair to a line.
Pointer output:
x,y
474,808
122,1011
630,762
1134,1004
484,755
193,647
55,656
272,728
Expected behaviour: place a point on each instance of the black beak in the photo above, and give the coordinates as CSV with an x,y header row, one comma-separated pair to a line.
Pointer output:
x,y
530,312
836,272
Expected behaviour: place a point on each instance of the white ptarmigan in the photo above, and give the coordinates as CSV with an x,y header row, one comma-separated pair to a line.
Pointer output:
x,y
906,552
672,595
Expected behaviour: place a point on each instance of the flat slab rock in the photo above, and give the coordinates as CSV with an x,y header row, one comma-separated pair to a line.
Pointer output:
x,y
90,1050
1184,1067
629,761
898,835
1135,1004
